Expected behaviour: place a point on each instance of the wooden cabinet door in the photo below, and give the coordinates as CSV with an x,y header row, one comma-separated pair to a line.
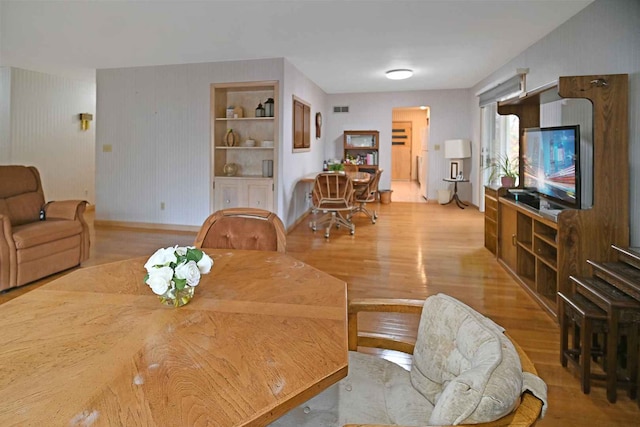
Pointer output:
x,y
260,194
507,245
227,194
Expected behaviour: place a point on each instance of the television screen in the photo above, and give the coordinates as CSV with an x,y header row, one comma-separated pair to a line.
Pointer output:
x,y
551,163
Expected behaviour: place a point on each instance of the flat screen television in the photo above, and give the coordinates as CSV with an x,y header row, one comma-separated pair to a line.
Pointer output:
x,y
552,163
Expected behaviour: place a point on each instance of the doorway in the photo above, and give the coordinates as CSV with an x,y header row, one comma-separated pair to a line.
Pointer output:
x,y
409,154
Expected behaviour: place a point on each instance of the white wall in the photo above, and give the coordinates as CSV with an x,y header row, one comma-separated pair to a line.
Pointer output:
x,y
5,114
157,120
296,165
604,38
450,119
44,131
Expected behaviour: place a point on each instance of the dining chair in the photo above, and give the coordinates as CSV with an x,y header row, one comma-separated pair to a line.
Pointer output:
x,y
333,194
243,228
465,370
367,195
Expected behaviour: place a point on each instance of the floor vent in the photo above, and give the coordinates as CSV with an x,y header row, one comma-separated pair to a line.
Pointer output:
x,y
343,109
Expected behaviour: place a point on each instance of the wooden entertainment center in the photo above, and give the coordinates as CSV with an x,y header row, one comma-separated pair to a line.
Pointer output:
x,y
541,252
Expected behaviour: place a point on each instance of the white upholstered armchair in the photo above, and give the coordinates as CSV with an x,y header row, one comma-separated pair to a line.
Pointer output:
x,y
465,371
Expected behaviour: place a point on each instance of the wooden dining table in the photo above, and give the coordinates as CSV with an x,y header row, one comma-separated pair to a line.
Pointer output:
x,y
264,333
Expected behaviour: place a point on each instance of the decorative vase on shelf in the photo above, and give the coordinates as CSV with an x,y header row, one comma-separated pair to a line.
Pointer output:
x,y
230,138
230,169
268,107
177,297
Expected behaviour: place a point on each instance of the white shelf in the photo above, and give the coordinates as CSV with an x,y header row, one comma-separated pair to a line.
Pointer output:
x,y
242,148
245,177
239,119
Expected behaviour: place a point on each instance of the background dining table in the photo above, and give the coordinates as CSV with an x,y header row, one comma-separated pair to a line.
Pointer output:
x,y
358,178
264,333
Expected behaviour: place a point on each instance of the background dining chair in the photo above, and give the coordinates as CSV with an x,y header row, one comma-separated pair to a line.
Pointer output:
x,y
333,194
367,195
243,228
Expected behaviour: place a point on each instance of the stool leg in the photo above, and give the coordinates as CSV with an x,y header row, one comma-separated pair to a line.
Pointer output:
x,y
586,333
612,356
638,375
632,359
564,333
576,335
595,344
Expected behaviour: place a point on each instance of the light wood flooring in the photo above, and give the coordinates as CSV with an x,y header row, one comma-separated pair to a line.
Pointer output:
x,y
415,250
406,191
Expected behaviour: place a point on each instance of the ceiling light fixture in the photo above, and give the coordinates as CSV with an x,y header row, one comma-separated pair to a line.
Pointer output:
x,y
399,74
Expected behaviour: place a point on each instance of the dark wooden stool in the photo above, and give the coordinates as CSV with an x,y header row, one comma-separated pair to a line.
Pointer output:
x,y
587,319
623,317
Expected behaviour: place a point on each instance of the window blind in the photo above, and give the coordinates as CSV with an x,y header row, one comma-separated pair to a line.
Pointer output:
x,y
502,91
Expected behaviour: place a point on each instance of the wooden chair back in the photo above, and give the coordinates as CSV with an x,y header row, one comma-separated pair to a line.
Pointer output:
x,y
371,191
332,192
243,228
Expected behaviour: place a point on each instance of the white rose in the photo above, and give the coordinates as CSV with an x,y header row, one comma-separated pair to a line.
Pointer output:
x,y
180,250
161,257
189,271
160,279
205,264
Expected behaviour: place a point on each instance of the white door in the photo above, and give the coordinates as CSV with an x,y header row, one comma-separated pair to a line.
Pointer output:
x,y
424,162
424,181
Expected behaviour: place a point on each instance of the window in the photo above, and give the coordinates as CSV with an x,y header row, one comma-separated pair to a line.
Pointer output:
x,y
499,137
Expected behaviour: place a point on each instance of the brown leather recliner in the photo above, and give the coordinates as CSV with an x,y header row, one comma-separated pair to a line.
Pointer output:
x,y
31,248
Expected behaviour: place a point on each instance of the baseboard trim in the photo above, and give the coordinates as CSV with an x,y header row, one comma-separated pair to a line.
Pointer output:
x,y
147,226
173,227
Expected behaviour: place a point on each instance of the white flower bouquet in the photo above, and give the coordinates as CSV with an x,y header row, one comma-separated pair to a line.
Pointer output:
x,y
172,273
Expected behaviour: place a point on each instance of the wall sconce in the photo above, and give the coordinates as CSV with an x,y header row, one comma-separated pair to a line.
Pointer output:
x,y
85,118
456,149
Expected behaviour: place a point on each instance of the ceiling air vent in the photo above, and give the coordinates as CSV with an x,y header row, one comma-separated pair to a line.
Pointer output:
x,y
343,109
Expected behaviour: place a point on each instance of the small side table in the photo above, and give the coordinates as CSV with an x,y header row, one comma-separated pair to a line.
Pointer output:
x,y
455,197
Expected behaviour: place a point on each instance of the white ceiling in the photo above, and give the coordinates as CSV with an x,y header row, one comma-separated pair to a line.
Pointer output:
x,y
343,46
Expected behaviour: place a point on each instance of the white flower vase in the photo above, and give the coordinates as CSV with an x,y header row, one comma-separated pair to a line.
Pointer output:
x,y
177,298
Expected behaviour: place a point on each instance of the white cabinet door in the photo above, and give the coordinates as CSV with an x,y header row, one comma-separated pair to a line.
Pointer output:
x,y
260,194
228,194
238,192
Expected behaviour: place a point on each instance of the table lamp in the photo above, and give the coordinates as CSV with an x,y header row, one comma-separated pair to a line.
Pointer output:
x,y
456,149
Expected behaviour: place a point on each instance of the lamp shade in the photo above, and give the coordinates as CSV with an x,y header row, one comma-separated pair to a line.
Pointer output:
x,y
457,149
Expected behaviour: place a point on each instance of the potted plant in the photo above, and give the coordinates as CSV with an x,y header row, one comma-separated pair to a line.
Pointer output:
x,y
336,167
506,168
